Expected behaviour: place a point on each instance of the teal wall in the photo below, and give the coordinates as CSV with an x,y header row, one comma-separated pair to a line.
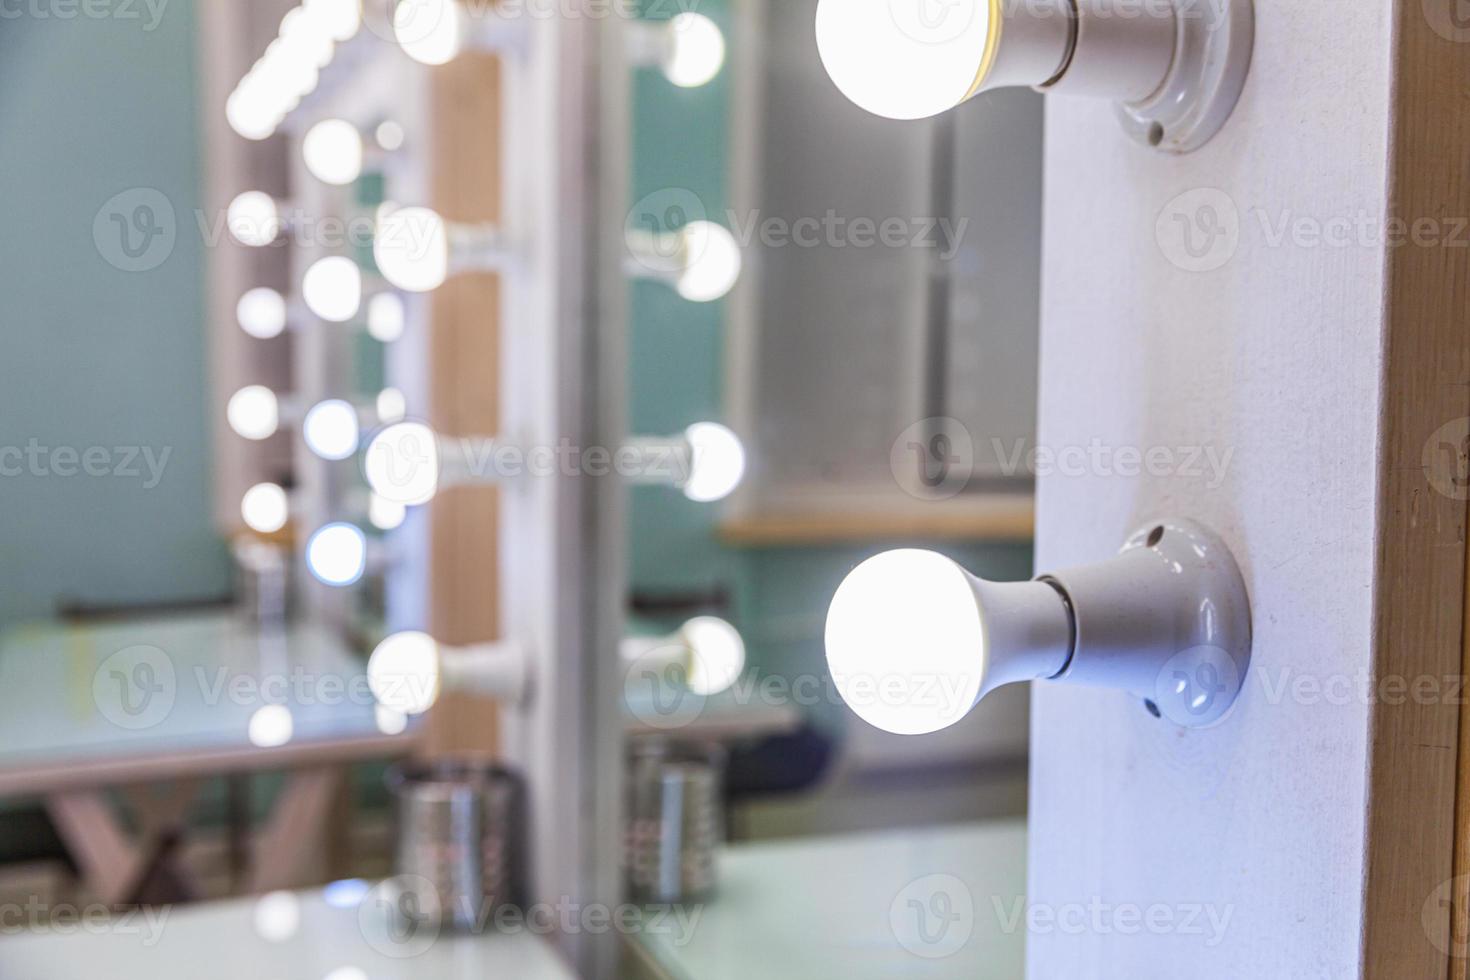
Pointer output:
x,y
779,595
91,355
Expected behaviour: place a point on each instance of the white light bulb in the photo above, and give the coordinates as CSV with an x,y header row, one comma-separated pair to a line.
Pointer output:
x,y
249,114
411,248
386,317
390,721
332,150
331,429
697,52
254,412
717,462
906,644
386,514
712,259
717,654
429,31
264,508
337,554
389,135
271,727
402,463
391,405
253,219
262,313
906,60
340,18
277,916
332,288
306,38
403,672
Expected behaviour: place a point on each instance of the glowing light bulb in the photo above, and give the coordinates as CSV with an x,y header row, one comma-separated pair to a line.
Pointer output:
x,y
697,52
717,654
429,31
277,916
386,514
332,288
254,412
712,262
389,135
264,508
386,317
411,249
906,644
337,554
717,462
262,313
253,219
331,429
402,463
391,405
332,150
390,721
249,114
339,18
403,672
270,727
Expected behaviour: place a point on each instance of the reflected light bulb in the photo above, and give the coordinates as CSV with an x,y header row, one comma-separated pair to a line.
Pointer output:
x,y
254,219
403,672
385,317
332,150
262,313
718,654
697,52
891,61
411,249
391,406
331,429
717,462
332,288
337,554
270,727
389,135
339,18
386,514
906,645
254,412
402,463
264,508
277,916
712,262
429,31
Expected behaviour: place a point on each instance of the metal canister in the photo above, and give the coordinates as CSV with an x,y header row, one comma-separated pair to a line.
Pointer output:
x,y
675,819
461,839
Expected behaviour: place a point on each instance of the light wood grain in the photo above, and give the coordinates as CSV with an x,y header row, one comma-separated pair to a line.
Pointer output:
x,y
996,519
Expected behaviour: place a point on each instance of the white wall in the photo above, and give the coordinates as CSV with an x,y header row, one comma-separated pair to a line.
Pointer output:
x,y
1273,358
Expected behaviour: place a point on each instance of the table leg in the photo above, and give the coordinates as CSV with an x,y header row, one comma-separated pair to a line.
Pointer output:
x,y
294,831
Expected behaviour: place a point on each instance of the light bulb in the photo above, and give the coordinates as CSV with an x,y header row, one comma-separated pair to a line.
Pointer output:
x,y
254,219
411,248
277,916
712,262
340,18
332,288
391,405
331,429
271,726
337,554
429,31
717,462
402,463
717,654
249,113
332,150
264,508
697,51
261,313
403,672
389,135
305,36
389,720
386,317
386,514
254,412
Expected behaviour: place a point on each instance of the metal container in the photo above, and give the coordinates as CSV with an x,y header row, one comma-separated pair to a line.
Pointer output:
x,y
461,839
675,819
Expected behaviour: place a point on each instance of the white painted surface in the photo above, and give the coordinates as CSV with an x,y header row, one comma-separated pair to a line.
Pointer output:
x,y
1274,357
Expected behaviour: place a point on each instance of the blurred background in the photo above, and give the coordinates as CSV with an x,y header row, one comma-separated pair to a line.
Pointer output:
x,y
431,434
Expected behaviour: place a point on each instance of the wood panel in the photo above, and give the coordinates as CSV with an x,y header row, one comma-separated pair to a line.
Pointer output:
x,y
464,364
